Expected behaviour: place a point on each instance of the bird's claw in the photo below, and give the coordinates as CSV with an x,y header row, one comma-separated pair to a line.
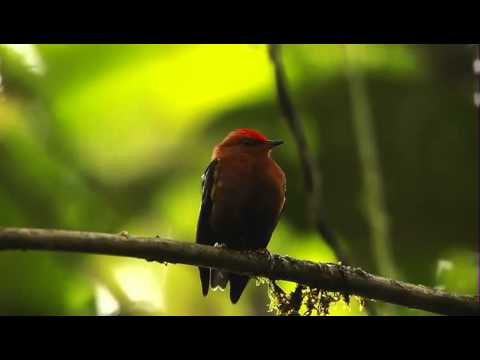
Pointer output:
x,y
262,252
265,253
220,245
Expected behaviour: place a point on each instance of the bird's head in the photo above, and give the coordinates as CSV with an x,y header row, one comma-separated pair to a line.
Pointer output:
x,y
248,141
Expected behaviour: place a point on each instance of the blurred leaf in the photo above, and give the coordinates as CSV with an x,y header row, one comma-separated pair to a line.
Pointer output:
x,y
115,137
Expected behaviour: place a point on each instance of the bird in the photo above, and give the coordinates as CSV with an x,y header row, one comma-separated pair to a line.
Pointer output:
x,y
243,197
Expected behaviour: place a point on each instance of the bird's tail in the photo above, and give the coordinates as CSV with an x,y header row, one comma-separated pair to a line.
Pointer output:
x,y
218,280
237,285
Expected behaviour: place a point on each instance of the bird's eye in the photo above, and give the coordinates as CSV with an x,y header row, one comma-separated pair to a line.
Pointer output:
x,y
249,141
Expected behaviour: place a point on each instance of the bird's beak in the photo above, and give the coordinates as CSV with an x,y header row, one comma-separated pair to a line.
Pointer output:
x,y
273,143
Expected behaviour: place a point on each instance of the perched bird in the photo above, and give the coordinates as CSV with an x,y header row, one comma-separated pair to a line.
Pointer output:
x,y
243,195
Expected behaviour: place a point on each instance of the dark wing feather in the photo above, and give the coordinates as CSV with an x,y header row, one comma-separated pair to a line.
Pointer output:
x,y
205,235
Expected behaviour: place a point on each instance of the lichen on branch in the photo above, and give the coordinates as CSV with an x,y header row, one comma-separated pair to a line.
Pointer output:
x,y
327,277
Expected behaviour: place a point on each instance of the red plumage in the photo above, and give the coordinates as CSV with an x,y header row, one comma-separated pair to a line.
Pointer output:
x,y
243,197
249,133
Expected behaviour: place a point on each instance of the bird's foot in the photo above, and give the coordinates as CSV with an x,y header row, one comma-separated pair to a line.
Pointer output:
x,y
263,252
220,245
266,254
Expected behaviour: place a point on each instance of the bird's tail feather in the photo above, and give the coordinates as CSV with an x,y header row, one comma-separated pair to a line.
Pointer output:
x,y
237,285
205,279
218,280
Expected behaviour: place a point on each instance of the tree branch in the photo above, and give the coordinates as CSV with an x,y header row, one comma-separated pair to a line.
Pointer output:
x,y
311,172
329,277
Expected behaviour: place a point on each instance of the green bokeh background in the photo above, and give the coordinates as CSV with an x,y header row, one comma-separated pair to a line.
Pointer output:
x,y
114,138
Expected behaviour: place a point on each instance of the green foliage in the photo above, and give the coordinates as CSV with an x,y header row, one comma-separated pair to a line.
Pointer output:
x,y
307,301
115,137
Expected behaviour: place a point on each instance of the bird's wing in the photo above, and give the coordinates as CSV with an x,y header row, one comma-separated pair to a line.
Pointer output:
x,y
205,234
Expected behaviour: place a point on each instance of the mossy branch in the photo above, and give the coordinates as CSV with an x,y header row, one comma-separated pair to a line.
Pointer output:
x,y
328,277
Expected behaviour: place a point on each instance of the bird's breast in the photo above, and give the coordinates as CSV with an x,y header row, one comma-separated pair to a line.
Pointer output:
x,y
246,188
